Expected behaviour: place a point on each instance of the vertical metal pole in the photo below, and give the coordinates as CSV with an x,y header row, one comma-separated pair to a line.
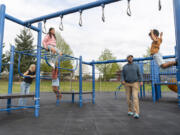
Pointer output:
x,y
153,81
38,64
141,70
93,83
73,97
157,80
175,49
144,90
80,81
176,4
2,20
10,76
59,77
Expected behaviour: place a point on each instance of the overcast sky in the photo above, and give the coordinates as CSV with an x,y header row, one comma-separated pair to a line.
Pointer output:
x,y
120,33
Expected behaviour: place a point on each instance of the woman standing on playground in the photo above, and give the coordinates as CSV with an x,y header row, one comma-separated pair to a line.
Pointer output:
x,y
25,85
49,43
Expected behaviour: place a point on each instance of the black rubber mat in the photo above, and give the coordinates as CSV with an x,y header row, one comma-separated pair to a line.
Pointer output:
x,y
107,117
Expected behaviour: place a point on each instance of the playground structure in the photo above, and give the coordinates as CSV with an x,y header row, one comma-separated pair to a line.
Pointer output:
x,y
47,56
155,76
39,53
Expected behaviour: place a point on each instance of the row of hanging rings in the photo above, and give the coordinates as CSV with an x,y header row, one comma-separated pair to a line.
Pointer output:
x,y
61,27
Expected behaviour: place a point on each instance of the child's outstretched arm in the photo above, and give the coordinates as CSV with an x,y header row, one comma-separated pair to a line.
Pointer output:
x,y
26,74
161,35
153,36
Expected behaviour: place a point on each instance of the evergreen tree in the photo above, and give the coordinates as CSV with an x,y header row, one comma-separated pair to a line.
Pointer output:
x,y
5,60
23,42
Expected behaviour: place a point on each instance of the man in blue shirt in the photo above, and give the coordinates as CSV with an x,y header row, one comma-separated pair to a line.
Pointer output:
x,y
131,77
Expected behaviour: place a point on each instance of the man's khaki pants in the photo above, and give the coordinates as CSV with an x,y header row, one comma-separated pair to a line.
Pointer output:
x,y
132,96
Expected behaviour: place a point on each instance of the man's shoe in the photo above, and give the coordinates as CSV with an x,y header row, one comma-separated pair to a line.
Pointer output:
x,y
130,113
136,116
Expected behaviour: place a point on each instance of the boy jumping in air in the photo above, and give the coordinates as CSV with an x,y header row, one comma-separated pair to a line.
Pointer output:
x,y
156,42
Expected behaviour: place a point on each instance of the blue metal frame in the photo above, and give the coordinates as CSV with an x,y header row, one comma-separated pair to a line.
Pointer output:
x,y
10,76
125,60
59,77
93,84
18,21
156,81
80,82
38,67
2,20
81,8
117,90
176,4
17,108
141,70
71,10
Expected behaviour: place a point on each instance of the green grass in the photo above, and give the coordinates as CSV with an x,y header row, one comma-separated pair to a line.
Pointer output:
x,y
66,86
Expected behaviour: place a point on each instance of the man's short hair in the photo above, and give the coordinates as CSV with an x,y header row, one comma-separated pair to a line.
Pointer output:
x,y
129,56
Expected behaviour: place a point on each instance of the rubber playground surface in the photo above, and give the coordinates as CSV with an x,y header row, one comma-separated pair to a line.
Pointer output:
x,y
107,117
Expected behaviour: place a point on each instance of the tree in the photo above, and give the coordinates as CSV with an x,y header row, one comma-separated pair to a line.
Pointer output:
x,y
108,70
65,49
148,52
62,45
147,66
5,60
23,42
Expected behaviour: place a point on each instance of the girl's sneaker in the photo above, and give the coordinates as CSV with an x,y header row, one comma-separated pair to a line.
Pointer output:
x,y
136,116
130,113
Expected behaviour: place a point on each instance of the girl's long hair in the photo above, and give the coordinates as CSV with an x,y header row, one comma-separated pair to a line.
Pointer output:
x,y
31,66
50,34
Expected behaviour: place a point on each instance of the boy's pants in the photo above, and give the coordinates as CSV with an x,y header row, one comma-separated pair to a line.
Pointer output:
x,y
158,58
132,96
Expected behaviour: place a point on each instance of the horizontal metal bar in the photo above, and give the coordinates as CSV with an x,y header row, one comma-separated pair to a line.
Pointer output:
x,y
125,60
87,63
169,56
168,73
18,21
164,83
71,10
44,78
68,56
17,108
